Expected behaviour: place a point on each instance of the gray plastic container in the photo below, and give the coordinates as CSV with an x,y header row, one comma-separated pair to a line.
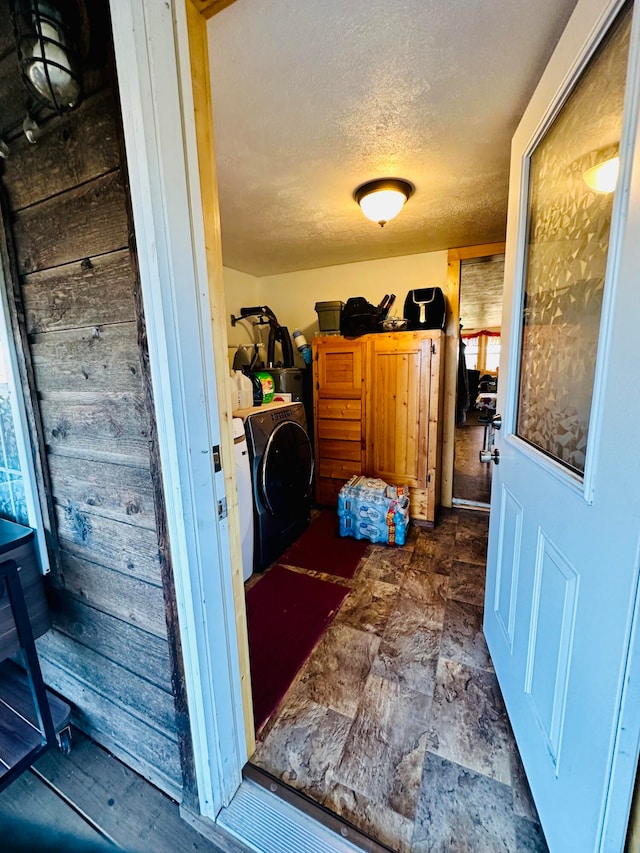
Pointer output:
x,y
329,315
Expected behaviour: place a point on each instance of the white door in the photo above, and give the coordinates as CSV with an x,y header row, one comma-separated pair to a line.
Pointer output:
x,y
565,506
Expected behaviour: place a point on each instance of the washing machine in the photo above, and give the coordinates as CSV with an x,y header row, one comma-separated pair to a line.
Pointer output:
x,y
245,496
281,459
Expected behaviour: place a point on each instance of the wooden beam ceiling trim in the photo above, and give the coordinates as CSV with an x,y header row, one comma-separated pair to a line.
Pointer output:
x,y
209,8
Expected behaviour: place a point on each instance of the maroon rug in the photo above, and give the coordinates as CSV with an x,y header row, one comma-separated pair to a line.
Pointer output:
x,y
322,549
287,613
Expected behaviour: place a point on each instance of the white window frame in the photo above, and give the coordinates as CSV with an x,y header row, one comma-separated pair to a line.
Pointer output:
x,y
25,442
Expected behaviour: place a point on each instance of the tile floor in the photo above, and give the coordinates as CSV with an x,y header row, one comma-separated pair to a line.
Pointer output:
x,y
396,721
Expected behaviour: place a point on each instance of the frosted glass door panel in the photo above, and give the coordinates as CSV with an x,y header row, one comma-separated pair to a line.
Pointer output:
x,y
568,242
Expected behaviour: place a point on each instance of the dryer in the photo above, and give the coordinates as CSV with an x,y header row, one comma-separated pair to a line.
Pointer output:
x,y
282,472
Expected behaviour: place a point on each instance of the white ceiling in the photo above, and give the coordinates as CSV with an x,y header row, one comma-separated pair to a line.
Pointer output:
x,y
311,98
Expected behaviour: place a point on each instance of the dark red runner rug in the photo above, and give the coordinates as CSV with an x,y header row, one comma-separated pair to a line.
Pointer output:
x,y
287,613
322,549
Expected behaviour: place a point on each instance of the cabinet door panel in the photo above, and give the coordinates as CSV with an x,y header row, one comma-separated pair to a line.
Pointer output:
x,y
339,369
399,408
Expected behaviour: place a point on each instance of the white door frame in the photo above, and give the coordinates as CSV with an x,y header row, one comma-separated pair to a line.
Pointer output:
x,y
152,60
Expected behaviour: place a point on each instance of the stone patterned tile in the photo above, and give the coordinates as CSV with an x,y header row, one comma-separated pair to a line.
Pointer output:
x,y
434,551
411,661
529,837
411,537
462,812
368,606
381,823
447,519
404,669
429,589
295,752
384,752
471,546
474,522
336,672
462,636
466,583
385,564
469,721
523,804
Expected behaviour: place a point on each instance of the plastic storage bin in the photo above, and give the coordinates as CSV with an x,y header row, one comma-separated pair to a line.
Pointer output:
x,y
329,315
371,509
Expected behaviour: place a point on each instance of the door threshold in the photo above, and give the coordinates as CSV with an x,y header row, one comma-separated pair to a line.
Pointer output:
x,y
292,815
464,504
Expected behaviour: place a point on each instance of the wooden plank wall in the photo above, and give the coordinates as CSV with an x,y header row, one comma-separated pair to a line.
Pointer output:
x,y
108,652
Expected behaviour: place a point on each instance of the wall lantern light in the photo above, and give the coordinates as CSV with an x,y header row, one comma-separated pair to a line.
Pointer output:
x,y
47,52
383,199
603,177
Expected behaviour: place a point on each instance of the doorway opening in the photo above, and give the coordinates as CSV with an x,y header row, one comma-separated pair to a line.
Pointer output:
x,y
481,282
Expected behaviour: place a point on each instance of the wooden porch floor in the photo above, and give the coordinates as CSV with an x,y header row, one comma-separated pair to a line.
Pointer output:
x,y
89,801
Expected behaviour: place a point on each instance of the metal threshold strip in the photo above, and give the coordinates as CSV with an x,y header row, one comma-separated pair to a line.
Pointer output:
x,y
461,503
268,817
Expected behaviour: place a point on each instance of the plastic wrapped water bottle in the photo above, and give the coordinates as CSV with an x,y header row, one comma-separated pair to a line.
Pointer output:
x,y
303,347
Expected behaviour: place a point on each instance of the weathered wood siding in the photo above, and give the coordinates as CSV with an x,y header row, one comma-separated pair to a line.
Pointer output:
x,y
108,652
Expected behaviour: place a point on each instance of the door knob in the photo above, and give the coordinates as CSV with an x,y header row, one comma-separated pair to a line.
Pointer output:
x,y
492,455
496,421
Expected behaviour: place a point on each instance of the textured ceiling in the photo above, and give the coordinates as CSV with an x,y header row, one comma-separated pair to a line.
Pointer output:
x,y
313,98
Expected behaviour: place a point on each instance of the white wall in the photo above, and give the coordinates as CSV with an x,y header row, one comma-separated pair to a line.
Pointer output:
x,y
292,296
241,291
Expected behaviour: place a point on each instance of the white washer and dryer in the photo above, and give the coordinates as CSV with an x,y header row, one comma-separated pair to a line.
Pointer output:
x,y
245,496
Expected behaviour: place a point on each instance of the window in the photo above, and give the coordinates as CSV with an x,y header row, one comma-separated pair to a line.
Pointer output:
x,y
18,484
482,350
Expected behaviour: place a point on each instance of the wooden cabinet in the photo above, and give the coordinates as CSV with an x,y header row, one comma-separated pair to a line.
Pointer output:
x,y
377,412
338,405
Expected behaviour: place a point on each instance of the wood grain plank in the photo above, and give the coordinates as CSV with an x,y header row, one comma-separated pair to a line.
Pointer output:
x,y
17,736
130,454
7,43
104,422
46,234
13,95
101,488
145,749
97,359
75,149
15,690
125,598
132,693
348,430
128,549
120,641
327,491
209,8
136,815
31,814
343,450
91,292
338,470
434,440
345,409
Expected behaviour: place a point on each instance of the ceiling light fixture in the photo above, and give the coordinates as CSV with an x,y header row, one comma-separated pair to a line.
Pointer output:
x,y
603,177
383,199
47,53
